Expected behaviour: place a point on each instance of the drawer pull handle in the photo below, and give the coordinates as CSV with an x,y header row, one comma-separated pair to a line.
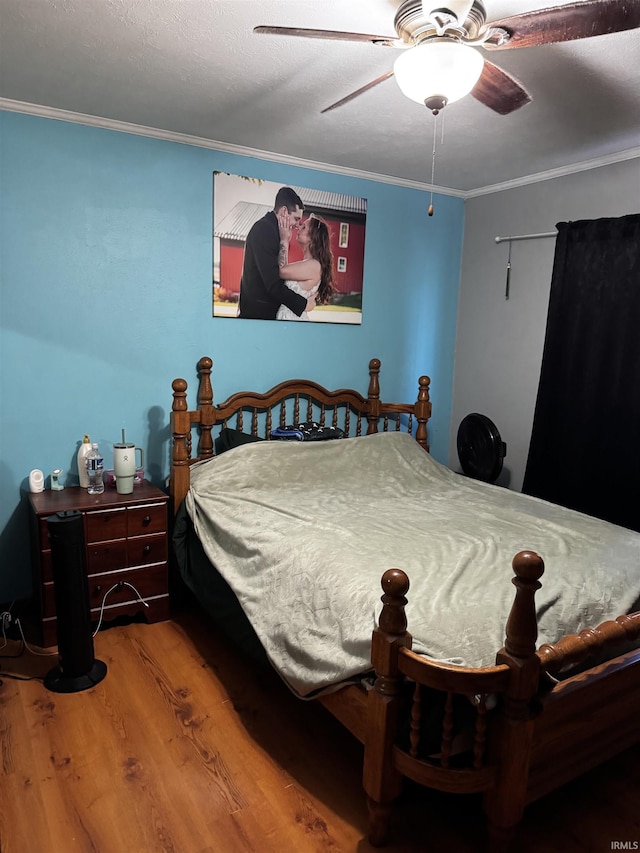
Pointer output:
x,y
147,549
98,588
146,520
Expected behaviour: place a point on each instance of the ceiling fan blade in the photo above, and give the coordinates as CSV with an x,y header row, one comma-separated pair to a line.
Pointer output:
x,y
568,23
337,35
499,91
359,91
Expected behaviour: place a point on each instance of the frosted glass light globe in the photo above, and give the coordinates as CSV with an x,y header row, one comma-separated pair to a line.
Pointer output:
x,y
442,68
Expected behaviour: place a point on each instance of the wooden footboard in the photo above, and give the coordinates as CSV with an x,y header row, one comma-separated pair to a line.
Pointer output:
x,y
506,730
289,402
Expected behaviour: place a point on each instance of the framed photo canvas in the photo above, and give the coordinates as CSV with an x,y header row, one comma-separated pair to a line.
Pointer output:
x,y
239,202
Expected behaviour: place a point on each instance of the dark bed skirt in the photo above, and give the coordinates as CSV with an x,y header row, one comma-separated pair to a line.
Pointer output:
x,y
210,589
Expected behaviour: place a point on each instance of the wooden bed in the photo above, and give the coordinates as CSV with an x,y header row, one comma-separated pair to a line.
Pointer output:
x,y
530,733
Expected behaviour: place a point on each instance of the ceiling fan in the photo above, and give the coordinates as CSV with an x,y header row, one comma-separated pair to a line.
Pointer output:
x,y
440,64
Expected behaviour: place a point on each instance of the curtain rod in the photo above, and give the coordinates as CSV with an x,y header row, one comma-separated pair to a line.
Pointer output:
x,y
526,237
511,240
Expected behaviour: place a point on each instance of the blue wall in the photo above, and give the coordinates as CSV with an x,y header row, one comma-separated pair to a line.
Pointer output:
x,y
105,251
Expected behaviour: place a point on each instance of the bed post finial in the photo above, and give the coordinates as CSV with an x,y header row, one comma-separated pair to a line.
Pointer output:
x,y
179,395
522,625
423,411
395,586
205,392
373,396
180,442
205,407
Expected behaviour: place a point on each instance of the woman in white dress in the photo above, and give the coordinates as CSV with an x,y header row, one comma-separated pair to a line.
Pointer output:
x,y
313,275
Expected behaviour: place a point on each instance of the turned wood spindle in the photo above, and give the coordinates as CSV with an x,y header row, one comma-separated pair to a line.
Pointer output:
x,y
373,396
423,411
205,406
522,624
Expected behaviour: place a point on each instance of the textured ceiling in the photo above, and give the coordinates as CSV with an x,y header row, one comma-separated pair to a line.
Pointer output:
x,y
195,67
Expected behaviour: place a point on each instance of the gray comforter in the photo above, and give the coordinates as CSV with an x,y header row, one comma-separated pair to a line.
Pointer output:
x,y
303,532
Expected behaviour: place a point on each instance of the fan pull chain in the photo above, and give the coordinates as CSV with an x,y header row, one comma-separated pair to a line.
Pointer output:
x,y
433,156
433,165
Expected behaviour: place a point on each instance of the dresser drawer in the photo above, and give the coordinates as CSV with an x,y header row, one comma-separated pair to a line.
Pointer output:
x,y
149,518
147,549
148,582
106,524
106,556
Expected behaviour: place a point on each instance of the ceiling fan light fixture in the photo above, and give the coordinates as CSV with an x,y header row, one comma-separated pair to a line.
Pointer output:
x,y
438,68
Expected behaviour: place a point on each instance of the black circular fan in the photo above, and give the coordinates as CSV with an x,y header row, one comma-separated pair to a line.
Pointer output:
x,y
480,448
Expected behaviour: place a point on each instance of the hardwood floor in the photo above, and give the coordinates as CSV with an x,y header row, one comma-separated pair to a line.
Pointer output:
x,y
187,748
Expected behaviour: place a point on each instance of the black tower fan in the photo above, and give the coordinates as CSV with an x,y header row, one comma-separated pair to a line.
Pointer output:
x,y
78,669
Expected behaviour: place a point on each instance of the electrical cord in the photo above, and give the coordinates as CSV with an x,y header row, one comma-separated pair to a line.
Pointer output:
x,y
118,585
20,677
28,647
6,619
18,655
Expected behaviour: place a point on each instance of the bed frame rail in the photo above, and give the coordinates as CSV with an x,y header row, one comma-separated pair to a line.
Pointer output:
x,y
294,401
592,642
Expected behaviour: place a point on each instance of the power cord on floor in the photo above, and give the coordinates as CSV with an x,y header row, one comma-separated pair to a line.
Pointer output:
x,y
6,620
17,655
28,647
20,677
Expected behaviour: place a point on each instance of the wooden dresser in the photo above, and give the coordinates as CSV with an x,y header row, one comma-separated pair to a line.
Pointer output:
x,y
126,550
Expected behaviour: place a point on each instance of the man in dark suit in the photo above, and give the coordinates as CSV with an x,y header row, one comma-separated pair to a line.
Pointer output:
x,y
262,291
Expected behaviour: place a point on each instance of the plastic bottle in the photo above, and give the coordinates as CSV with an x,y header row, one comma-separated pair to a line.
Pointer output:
x,y
95,467
83,451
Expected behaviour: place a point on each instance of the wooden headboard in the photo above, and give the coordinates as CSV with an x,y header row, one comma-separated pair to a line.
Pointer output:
x,y
293,401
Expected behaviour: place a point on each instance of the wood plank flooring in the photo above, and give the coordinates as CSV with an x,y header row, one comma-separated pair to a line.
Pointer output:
x,y
186,747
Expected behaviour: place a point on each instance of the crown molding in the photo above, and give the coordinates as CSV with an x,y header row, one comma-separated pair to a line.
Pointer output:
x,y
585,166
200,142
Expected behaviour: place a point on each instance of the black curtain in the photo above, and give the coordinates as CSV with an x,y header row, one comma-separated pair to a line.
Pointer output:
x,y
585,443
